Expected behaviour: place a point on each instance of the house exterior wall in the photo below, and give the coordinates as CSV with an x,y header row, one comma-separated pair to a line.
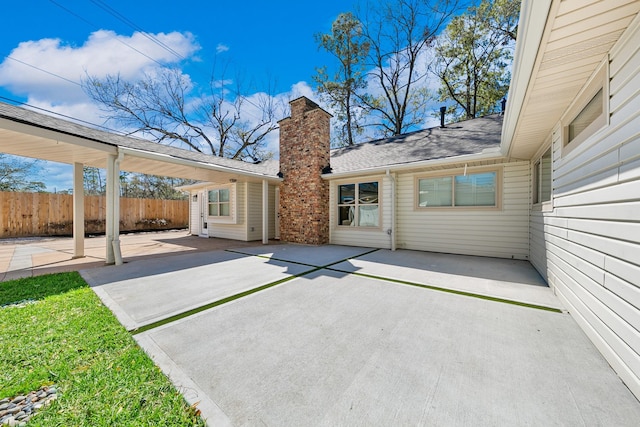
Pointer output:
x,y
370,237
591,237
248,205
304,153
500,232
254,211
238,230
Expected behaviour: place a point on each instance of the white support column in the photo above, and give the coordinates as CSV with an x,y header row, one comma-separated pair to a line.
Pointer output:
x,y
113,255
111,172
265,212
78,211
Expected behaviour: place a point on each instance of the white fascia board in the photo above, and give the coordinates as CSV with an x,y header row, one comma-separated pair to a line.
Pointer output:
x,y
196,186
161,157
492,154
54,135
531,28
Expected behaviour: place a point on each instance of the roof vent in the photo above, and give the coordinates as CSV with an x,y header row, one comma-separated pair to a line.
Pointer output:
x,y
443,110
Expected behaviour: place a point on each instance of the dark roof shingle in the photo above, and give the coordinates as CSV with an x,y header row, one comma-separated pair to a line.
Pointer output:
x,y
467,137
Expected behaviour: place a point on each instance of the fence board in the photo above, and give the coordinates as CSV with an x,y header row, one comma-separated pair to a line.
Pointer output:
x,y
46,214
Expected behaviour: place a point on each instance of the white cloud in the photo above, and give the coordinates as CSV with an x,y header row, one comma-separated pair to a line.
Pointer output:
x,y
58,176
52,77
103,53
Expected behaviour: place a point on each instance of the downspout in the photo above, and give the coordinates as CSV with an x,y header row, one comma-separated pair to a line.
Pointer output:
x,y
392,230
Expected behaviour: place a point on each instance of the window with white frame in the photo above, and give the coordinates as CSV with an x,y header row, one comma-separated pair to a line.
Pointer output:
x,y
590,112
466,190
358,204
219,202
585,117
542,178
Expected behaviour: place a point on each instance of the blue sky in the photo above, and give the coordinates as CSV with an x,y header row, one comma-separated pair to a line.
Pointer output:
x,y
69,38
259,37
48,46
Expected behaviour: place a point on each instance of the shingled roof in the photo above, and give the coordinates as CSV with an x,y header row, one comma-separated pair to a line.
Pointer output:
x,y
44,121
472,136
468,137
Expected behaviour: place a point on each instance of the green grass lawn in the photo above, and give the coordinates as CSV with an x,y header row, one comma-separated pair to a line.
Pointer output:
x,y
68,338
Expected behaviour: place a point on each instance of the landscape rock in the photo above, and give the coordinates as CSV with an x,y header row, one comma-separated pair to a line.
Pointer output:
x,y
18,410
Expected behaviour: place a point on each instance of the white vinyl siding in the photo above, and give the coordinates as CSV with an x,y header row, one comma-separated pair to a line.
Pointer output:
x,y
237,230
588,247
470,231
371,237
254,209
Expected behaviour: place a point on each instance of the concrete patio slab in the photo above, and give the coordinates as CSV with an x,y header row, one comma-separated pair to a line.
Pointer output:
x,y
26,257
150,290
331,348
501,278
306,254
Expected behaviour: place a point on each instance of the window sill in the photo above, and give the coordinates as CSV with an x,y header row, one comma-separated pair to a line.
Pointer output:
x,y
542,207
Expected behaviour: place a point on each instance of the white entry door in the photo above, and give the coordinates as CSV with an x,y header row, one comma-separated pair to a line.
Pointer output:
x,y
203,206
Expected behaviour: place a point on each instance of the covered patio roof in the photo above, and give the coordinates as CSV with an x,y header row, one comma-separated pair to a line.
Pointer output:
x,y
32,134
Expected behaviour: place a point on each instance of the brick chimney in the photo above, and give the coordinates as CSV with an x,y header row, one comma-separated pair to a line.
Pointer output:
x,y
304,153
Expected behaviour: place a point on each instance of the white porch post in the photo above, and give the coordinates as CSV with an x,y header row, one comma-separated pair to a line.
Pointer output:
x,y
265,212
78,211
113,255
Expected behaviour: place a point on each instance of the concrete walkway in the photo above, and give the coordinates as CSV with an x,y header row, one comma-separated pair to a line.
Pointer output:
x,y
299,335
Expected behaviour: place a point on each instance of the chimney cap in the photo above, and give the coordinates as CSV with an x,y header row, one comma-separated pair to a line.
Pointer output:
x,y
309,105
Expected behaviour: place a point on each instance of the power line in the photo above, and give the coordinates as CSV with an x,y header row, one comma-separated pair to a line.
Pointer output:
x,y
131,24
150,37
55,113
136,27
43,70
86,21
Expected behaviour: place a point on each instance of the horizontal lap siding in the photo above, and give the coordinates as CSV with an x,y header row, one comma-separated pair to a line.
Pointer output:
x,y
237,231
497,233
362,236
537,243
254,210
592,237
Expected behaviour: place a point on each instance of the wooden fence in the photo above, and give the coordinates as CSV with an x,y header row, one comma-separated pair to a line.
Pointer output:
x,y
45,214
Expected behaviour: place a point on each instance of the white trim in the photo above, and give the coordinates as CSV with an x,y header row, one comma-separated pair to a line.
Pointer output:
x,y
599,81
490,154
277,214
165,158
392,229
531,29
203,226
232,218
56,135
265,212
78,210
356,205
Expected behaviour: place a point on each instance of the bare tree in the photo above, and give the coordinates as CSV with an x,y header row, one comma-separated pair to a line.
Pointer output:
x,y
17,174
166,107
399,31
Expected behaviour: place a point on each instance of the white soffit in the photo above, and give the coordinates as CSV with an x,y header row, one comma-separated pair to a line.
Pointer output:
x,y
578,35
